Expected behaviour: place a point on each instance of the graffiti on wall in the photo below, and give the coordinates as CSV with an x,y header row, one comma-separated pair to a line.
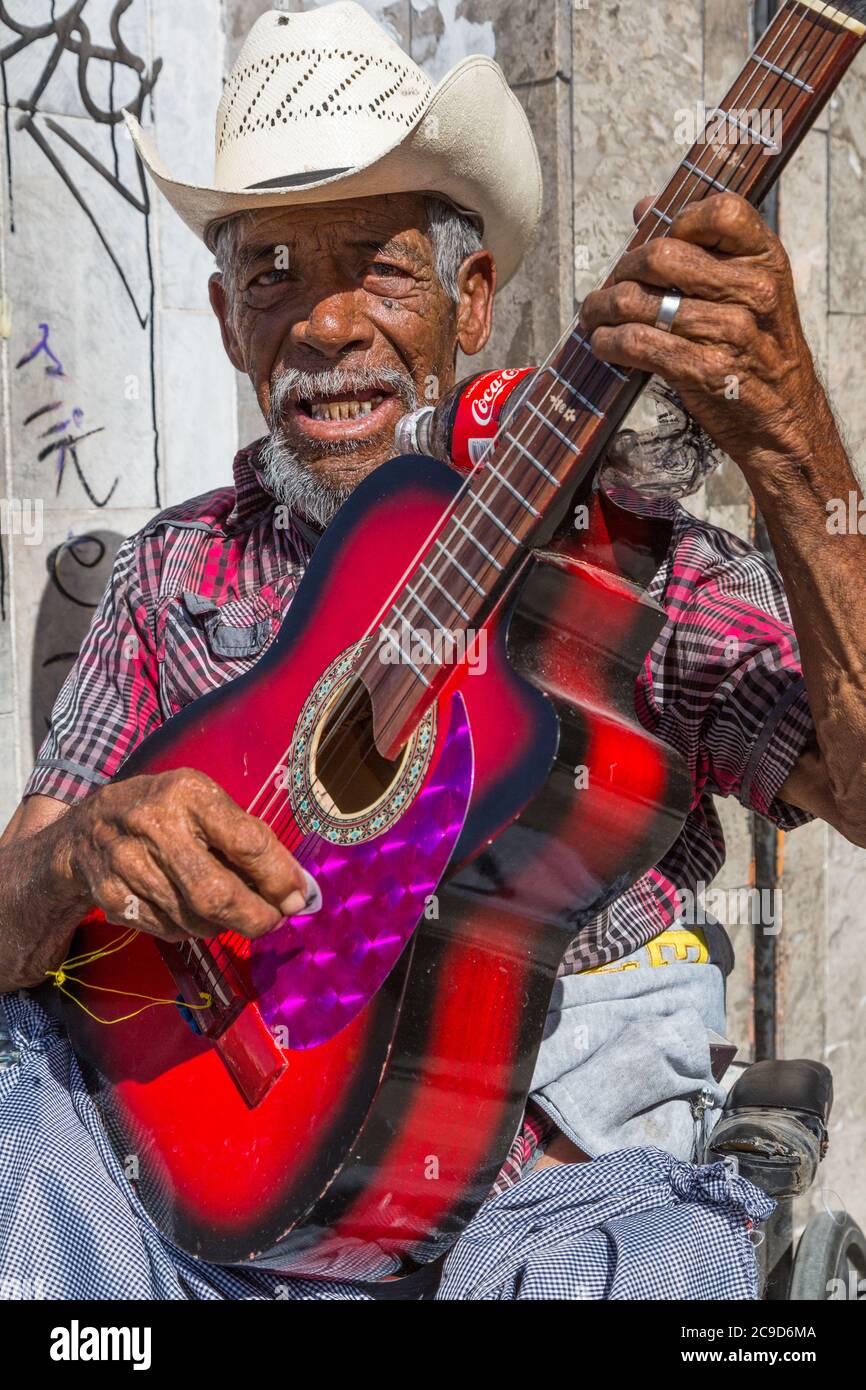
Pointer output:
x,y
51,68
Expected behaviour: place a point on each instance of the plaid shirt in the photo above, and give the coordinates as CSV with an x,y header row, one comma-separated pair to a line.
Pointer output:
x,y
197,596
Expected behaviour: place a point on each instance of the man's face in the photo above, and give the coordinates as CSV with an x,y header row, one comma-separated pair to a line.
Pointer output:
x,y
336,314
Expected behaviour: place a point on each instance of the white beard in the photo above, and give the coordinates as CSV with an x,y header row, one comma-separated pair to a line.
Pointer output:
x,y
292,483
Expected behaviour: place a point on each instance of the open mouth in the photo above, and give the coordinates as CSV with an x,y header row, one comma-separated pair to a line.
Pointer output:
x,y
347,414
340,407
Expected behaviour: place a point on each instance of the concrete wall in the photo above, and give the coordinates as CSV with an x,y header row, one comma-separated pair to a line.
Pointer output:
x,y
122,293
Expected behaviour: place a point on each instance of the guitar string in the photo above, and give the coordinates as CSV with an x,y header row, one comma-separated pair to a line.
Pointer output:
x,y
785,37
476,473
426,596
284,808
539,429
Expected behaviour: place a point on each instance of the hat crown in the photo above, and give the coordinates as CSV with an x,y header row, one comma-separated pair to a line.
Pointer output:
x,y
325,89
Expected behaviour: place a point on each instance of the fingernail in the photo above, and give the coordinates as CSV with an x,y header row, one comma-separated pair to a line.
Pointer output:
x,y
303,904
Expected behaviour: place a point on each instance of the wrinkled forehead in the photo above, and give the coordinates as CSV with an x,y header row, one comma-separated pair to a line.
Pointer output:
x,y
400,219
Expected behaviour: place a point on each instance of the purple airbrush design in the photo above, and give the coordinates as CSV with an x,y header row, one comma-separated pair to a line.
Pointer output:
x,y
312,975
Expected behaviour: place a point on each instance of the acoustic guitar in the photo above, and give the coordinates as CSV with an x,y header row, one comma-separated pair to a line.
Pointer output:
x,y
336,1098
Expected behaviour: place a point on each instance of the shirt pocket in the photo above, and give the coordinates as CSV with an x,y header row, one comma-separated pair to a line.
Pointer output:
x,y
205,643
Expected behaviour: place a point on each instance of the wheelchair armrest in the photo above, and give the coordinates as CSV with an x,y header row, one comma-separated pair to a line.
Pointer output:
x,y
784,1085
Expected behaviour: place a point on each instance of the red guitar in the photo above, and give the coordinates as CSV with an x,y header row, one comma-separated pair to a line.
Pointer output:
x,y
345,1098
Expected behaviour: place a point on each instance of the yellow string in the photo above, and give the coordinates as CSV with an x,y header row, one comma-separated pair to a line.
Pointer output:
x,y
63,973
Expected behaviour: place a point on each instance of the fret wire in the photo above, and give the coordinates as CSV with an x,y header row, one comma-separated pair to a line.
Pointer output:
x,y
457,565
551,477
574,391
563,438
476,542
491,468
406,660
388,632
747,130
702,174
495,519
421,604
780,72
608,367
450,597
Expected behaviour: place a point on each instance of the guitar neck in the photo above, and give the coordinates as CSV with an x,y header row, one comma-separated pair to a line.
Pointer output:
x,y
577,401
524,486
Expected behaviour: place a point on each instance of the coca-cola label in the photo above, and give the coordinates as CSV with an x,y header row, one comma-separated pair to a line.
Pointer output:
x,y
476,421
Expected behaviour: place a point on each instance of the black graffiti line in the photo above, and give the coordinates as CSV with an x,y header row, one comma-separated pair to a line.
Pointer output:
x,y
43,410
68,442
116,184
27,123
67,548
7,142
87,488
61,30
85,53
152,319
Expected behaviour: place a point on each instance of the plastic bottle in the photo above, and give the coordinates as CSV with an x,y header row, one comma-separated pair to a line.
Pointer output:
x,y
461,426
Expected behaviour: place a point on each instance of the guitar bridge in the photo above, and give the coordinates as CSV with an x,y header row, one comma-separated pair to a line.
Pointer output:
x,y
231,1021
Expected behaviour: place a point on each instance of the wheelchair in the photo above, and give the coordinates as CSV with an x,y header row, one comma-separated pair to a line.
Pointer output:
x,y
774,1124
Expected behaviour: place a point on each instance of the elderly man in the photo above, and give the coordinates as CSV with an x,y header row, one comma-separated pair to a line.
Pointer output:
x,y
341,301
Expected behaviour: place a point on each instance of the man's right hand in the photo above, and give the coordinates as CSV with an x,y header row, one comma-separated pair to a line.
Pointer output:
x,y
172,854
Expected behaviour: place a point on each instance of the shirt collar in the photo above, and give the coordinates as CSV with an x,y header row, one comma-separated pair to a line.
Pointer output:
x,y
250,497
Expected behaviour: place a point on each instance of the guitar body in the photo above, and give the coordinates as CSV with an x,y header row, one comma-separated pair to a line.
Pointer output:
x,y
348,1110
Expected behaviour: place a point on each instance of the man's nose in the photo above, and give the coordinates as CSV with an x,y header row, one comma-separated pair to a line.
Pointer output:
x,y
334,324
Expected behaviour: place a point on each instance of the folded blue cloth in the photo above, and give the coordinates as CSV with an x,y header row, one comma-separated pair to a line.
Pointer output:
x,y
633,1224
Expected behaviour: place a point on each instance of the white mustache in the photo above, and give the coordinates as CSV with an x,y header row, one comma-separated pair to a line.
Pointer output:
x,y
294,385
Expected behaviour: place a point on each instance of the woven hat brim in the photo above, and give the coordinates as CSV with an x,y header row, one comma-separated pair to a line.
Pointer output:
x,y
471,143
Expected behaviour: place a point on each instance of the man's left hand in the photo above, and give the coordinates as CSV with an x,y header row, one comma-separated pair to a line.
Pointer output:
x,y
736,354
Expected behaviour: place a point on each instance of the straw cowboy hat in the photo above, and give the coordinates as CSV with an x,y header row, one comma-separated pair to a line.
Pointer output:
x,y
324,105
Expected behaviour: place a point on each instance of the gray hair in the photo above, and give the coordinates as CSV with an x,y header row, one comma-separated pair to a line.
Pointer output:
x,y
454,236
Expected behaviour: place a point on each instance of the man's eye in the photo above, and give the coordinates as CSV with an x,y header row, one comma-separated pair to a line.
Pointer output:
x,y
270,277
384,271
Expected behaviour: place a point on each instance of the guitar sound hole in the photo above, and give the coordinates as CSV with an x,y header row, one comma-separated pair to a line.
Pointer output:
x,y
349,774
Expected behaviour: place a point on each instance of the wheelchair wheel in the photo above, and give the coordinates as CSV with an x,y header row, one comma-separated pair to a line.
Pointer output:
x,y
830,1263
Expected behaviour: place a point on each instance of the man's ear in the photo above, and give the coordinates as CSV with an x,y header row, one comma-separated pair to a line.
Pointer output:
x,y
476,281
221,304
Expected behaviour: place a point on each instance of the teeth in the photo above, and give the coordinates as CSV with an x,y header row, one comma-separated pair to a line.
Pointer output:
x,y
344,410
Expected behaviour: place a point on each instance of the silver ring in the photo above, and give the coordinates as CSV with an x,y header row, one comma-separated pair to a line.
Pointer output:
x,y
668,310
